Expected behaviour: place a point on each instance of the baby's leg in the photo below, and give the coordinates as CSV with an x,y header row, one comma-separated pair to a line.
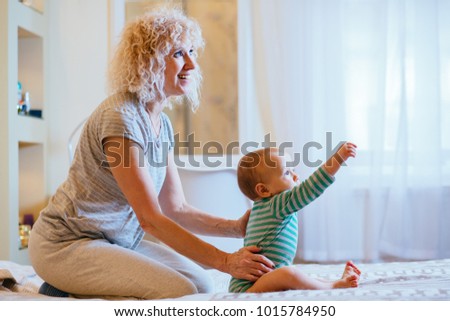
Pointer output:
x,y
291,278
288,278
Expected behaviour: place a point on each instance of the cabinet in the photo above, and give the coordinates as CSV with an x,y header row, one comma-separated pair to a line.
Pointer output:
x,y
23,138
215,190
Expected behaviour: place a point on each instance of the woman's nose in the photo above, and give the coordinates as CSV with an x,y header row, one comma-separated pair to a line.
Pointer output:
x,y
189,62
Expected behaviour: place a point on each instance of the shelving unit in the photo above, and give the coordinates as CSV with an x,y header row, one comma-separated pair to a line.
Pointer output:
x,y
23,138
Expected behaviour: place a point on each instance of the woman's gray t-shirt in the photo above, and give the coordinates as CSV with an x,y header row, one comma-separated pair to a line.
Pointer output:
x,y
90,204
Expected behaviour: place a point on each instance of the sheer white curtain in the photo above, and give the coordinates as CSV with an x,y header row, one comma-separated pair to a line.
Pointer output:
x,y
375,72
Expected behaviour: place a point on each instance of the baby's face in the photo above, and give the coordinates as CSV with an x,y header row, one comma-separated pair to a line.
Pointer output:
x,y
279,177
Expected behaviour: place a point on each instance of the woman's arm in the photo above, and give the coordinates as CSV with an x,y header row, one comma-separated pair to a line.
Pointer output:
x,y
174,205
136,183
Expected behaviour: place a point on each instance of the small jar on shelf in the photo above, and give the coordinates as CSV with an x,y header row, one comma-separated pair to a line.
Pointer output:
x,y
24,235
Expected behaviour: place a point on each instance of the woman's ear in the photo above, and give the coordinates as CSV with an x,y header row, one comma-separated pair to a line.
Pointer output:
x,y
262,190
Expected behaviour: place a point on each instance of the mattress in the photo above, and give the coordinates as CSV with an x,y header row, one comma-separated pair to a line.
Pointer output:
x,y
406,281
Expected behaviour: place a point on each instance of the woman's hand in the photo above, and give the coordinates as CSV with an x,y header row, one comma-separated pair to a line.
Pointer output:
x,y
241,224
247,264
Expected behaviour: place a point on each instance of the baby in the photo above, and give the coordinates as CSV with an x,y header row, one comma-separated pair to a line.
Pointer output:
x,y
263,176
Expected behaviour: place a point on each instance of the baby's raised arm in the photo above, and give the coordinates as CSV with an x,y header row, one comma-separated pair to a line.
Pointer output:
x,y
333,164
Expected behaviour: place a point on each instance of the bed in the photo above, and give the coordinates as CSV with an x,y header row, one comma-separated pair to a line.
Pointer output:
x,y
411,281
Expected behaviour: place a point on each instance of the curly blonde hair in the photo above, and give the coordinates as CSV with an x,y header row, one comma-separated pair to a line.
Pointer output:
x,y
139,61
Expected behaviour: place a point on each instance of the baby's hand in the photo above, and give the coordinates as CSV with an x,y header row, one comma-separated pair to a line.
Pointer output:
x,y
345,151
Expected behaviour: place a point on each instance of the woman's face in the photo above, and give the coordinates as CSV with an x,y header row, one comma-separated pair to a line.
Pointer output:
x,y
180,65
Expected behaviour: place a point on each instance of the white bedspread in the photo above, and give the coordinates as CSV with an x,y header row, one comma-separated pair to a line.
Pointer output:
x,y
426,280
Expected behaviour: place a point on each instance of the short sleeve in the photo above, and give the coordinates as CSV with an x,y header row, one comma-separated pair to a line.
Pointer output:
x,y
123,121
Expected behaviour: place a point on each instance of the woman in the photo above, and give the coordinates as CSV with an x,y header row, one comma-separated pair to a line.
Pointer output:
x,y
123,182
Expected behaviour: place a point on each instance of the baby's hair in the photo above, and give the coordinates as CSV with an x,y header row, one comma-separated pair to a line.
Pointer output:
x,y
249,172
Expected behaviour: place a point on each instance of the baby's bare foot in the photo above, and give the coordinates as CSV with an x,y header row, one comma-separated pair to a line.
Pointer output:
x,y
350,277
357,271
350,281
351,269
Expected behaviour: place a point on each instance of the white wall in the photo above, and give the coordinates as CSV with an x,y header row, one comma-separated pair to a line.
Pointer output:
x,y
78,42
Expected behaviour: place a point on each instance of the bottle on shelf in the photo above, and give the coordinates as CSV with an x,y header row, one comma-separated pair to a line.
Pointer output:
x,y
19,97
24,106
26,103
28,219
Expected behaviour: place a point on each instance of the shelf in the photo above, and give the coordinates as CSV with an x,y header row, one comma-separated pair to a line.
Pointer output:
x,y
23,139
31,129
22,256
31,67
37,5
29,19
32,193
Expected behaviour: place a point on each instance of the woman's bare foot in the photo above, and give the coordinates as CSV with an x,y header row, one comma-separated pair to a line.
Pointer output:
x,y
350,277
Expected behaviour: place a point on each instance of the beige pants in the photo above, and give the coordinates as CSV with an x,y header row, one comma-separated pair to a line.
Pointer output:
x,y
95,268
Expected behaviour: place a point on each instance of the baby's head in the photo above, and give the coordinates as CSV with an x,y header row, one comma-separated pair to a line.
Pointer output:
x,y
264,173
